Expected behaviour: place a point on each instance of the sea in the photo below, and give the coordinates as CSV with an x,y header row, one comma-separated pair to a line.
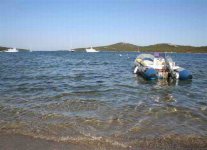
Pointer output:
x,y
94,100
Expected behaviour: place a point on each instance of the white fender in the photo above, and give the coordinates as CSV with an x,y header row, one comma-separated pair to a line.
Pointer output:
x,y
136,69
177,75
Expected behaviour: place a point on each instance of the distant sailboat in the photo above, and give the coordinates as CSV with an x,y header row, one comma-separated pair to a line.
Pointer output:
x,y
89,50
71,50
138,50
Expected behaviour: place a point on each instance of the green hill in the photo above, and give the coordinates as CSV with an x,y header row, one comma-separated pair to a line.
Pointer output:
x,y
19,49
163,47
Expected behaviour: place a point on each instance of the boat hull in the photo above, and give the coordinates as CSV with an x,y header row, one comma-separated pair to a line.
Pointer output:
x,y
185,75
150,74
147,73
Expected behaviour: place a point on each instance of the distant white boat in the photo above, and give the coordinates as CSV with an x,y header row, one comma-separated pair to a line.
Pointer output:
x,y
11,50
71,50
91,50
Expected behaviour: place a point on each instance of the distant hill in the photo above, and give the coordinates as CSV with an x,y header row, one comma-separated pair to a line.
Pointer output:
x,y
163,47
19,49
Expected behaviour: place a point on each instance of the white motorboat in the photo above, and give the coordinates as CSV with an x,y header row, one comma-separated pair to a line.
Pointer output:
x,y
91,50
71,50
155,66
11,50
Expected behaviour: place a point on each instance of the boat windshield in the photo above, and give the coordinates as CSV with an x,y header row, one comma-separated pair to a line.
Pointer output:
x,y
169,59
146,56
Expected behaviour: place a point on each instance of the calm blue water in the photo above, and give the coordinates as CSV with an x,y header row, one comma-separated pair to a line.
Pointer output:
x,y
95,97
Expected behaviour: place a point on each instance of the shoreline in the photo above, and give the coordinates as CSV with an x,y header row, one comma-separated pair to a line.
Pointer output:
x,y
19,141
110,51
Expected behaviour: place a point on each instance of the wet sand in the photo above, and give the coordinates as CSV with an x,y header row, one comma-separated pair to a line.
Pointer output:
x,y
21,142
9,141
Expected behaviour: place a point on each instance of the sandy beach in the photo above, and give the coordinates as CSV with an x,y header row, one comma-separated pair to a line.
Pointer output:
x,y
9,141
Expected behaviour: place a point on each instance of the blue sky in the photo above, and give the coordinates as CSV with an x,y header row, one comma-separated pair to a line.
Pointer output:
x,y
65,24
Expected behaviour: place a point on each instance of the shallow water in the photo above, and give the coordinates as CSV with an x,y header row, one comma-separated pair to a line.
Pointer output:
x,y
94,98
